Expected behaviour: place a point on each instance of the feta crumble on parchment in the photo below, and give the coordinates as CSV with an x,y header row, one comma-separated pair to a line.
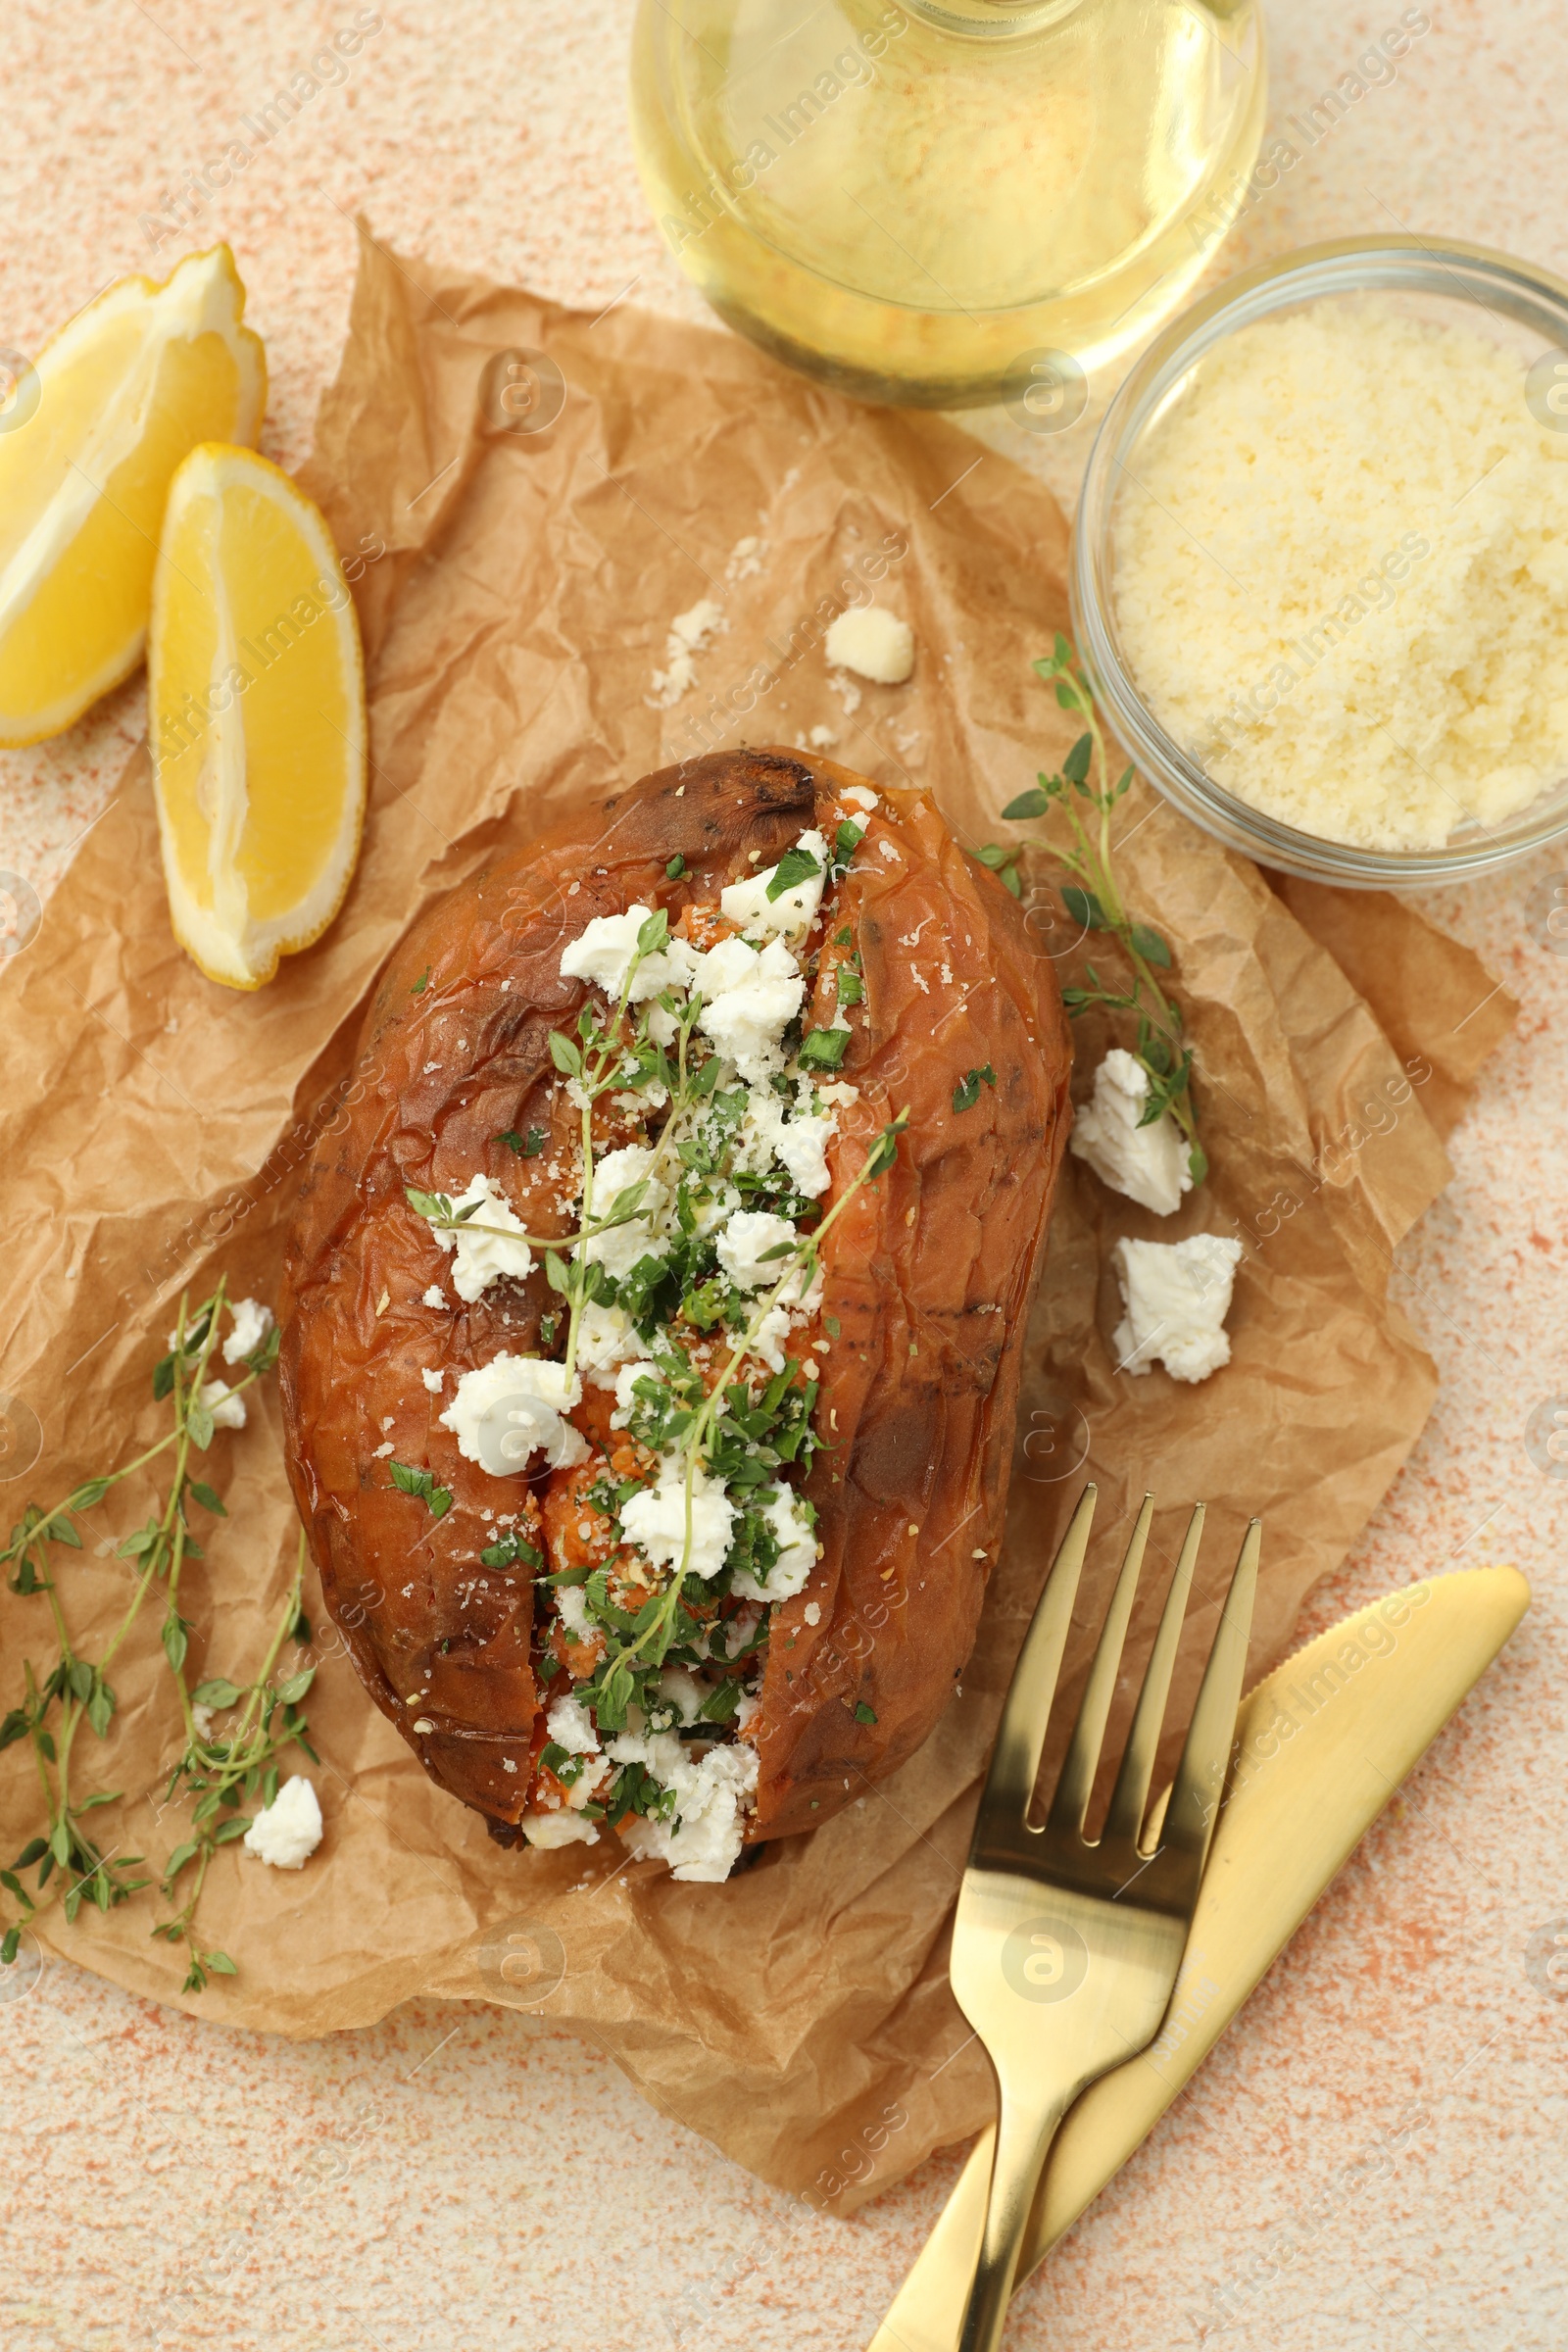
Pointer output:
x,y
1149,1164
288,1830
689,634
872,642
1177,1295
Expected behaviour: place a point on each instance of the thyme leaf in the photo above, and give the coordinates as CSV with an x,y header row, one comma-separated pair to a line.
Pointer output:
x,y
1092,899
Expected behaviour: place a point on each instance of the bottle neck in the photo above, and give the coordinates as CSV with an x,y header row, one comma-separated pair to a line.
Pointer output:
x,y
993,20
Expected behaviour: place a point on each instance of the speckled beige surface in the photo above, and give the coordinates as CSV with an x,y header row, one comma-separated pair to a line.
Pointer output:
x,y
453,2179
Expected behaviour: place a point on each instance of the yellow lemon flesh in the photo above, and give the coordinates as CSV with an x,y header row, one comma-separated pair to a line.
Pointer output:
x,y
89,440
256,715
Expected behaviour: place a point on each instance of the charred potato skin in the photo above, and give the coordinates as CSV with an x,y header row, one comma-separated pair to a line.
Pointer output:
x,y
928,1276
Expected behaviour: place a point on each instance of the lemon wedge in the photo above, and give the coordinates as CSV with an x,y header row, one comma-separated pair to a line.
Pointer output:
x,y
256,715
95,432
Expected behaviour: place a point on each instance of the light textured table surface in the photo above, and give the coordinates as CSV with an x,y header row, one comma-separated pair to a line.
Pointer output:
x,y
453,2179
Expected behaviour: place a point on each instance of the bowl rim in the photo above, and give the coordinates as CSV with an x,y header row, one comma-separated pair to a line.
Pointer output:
x,y
1524,291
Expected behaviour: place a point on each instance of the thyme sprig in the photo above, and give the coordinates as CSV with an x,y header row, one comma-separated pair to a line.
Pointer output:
x,y
218,1775
1095,901
648,1635
438,1209
66,1860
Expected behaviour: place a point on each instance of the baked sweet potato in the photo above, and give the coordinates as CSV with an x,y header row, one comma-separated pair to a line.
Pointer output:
x,y
881,1396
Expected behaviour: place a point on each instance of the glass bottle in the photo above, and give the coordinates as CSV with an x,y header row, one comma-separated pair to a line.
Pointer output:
x,y
925,201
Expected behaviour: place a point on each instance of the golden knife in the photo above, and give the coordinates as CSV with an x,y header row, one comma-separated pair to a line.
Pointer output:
x,y
1321,1745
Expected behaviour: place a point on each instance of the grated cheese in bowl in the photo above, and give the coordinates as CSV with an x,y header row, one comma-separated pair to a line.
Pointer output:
x,y
1342,576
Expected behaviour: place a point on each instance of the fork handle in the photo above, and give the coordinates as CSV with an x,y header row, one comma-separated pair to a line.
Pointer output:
x,y
1025,2130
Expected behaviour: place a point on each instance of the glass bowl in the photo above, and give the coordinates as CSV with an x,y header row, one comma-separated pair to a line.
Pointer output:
x,y
1513,303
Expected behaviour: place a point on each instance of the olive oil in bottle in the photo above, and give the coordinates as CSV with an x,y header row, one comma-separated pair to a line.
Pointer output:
x,y
916,200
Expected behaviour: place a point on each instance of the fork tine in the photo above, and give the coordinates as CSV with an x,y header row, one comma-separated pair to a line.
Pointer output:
x,y
1130,1797
1022,1733
1070,1802
1189,1822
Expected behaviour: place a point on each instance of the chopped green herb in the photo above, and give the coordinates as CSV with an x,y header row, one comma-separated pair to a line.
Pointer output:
x,y
864,1714
825,1050
421,1485
511,1551
793,869
422,982
526,1146
966,1094
676,868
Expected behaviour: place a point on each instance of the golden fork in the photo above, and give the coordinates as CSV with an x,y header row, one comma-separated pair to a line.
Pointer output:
x,y
1065,1954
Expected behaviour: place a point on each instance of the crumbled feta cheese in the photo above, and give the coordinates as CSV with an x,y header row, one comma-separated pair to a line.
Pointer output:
x,y
746,558
791,1312
626,1380
572,1727
873,642
203,1718
689,633
711,1798
227,1410
799,1144
863,797
433,1380
559,1829
1177,1295
573,1610
655,1520
435,1295
744,1244
767,1341
797,1555
602,956
513,1408
619,1250
821,739
484,1257
607,1338
750,1001
252,1323
680,1698
812,1612
288,1830
793,912
1147,1164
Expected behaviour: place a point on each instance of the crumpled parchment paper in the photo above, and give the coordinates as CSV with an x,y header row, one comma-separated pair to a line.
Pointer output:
x,y
526,499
